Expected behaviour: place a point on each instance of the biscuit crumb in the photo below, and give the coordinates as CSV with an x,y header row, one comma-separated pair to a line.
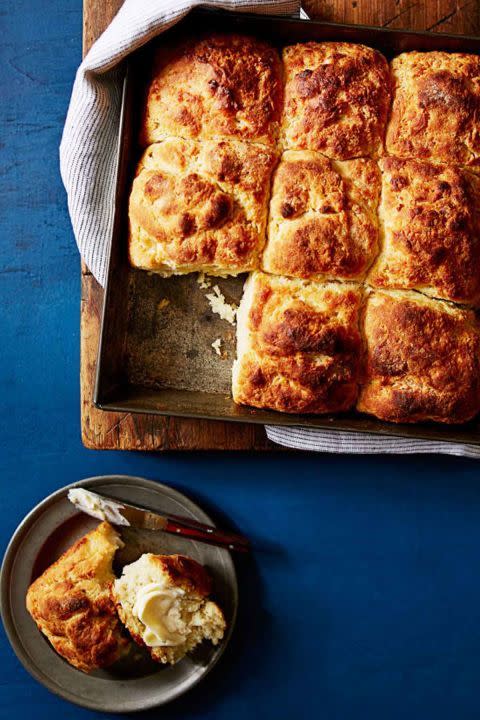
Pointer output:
x,y
220,306
203,281
216,345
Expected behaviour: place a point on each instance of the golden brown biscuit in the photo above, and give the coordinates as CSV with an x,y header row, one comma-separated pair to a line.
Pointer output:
x,y
337,97
219,86
323,222
180,588
430,230
298,345
423,360
435,108
200,206
71,603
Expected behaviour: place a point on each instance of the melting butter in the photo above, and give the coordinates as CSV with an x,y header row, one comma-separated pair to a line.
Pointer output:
x,y
158,608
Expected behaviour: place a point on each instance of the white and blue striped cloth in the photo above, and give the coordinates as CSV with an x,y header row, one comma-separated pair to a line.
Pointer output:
x,y
88,166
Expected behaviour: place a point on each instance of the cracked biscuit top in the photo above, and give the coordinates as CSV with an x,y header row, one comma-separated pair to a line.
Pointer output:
x,y
423,359
323,222
218,86
298,345
200,207
430,230
436,107
337,97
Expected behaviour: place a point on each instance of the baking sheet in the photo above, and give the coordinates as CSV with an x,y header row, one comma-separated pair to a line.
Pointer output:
x,y
156,351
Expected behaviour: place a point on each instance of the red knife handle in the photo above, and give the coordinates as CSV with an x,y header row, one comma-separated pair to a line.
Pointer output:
x,y
213,537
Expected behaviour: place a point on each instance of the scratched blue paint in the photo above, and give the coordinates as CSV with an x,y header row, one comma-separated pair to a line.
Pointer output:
x,y
363,603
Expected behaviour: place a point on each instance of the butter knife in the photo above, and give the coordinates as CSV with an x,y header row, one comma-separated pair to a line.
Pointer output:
x,y
119,512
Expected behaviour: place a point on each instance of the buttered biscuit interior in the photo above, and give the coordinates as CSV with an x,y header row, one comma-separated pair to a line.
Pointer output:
x,y
163,600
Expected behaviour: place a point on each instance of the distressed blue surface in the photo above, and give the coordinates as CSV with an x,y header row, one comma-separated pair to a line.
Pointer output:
x,y
366,603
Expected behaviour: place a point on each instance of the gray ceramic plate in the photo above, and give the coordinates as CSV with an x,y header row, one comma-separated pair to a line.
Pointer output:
x,y
44,534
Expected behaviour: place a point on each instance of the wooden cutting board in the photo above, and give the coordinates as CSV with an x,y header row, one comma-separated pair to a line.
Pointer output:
x,y
113,431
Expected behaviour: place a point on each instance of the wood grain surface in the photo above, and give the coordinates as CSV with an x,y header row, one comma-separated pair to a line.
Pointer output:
x,y
101,430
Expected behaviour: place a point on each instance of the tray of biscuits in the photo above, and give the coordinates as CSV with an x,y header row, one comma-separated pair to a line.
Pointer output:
x,y
297,234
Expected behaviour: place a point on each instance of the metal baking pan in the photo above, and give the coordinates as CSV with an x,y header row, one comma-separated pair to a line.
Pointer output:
x,y
155,353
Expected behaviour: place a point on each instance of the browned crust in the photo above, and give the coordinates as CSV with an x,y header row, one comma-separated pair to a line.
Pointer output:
x,y
323,222
71,604
299,346
200,206
336,99
220,85
423,360
186,573
296,384
431,230
435,108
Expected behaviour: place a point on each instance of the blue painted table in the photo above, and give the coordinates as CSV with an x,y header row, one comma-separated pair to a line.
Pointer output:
x,y
364,602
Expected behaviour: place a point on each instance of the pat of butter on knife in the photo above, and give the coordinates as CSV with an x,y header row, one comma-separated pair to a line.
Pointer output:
x,y
97,506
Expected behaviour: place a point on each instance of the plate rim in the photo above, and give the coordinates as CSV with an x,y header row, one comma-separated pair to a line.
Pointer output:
x,y
5,606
